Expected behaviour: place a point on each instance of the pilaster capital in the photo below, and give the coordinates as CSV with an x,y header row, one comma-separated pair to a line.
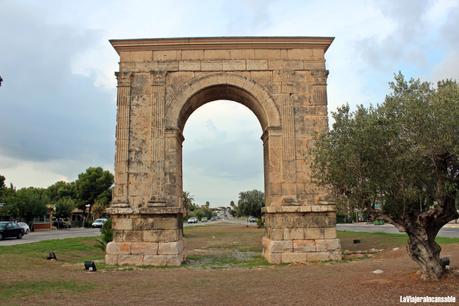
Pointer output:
x,y
124,78
158,78
320,76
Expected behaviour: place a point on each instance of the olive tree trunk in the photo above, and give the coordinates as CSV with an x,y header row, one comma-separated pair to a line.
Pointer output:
x,y
423,249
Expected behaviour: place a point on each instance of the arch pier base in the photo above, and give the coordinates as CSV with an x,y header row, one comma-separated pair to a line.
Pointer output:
x,y
150,237
299,234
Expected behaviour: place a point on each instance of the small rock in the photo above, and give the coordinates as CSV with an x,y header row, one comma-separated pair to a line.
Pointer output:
x,y
395,249
379,271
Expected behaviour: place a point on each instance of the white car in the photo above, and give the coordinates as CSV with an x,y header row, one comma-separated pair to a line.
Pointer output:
x,y
99,222
25,227
192,220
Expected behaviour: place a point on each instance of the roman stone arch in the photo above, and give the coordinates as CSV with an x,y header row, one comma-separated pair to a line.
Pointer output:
x,y
161,82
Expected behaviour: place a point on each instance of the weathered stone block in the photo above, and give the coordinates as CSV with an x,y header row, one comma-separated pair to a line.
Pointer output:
x,y
267,53
329,232
118,248
111,259
327,244
170,248
189,65
304,246
216,54
122,223
257,64
130,260
242,54
291,257
211,65
165,55
313,233
234,65
293,233
279,246
147,248
192,54
161,235
318,256
299,54
273,258
133,236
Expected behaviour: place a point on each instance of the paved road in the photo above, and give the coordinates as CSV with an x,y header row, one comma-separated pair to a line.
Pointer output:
x,y
448,231
49,235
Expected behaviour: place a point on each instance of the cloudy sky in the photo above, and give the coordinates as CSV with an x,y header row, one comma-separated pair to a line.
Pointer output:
x,y
57,101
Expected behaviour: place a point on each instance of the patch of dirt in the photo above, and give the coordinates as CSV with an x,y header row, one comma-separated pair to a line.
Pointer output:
x,y
345,283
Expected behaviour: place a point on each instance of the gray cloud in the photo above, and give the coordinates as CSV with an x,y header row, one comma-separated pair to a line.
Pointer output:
x,y
401,44
449,67
48,113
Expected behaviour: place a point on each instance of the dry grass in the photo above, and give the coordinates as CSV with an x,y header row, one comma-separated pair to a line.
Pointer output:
x,y
224,268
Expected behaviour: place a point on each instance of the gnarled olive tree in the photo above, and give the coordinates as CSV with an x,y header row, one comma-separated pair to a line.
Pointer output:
x,y
399,161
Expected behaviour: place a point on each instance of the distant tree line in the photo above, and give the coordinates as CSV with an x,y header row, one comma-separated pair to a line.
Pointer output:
x,y
94,187
250,203
195,210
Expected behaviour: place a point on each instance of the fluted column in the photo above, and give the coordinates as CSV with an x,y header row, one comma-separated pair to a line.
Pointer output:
x,y
120,192
158,82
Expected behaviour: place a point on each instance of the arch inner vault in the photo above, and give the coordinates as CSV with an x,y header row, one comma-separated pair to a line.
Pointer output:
x,y
161,82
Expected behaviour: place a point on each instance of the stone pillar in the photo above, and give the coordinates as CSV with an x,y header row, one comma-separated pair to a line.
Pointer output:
x,y
150,233
120,192
302,227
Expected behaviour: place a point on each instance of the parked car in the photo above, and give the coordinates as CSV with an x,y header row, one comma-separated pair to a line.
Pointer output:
x,y
25,227
10,229
192,220
203,219
252,219
99,222
62,223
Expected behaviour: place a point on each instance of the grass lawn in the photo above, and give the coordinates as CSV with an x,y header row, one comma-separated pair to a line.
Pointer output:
x,y
27,275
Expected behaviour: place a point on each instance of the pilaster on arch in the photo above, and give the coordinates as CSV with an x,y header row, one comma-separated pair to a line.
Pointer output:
x,y
230,86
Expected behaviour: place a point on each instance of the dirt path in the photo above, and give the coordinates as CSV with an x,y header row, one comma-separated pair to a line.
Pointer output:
x,y
344,283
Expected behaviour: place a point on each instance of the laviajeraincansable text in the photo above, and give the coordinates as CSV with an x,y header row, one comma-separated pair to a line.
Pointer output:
x,y
427,299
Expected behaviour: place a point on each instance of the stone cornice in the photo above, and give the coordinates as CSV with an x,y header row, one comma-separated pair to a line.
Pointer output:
x,y
212,43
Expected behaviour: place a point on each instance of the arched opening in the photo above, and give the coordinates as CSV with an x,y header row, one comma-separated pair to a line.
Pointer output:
x,y
222,155
264,111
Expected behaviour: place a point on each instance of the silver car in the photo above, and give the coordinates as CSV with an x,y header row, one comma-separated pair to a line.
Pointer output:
x,y
25,227
99,222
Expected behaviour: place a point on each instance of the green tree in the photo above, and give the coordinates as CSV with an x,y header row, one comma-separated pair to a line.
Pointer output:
x,y
64,207
60,190
188,201
93,184
27,204
401,156
250,203
2,187
234,209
